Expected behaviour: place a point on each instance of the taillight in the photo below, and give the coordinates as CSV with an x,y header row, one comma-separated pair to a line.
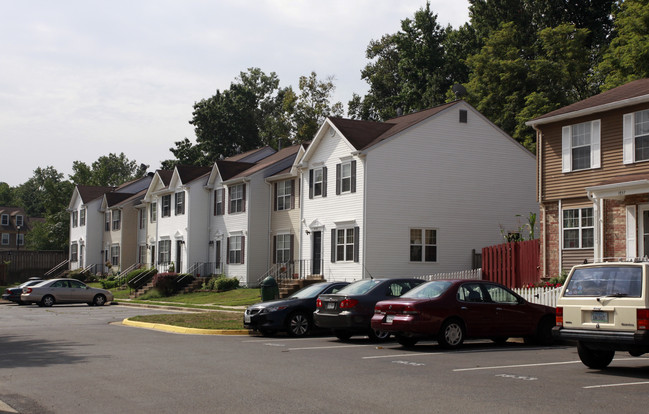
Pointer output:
x,y
318,303
559,316
377,309
643,319
348,303
410,310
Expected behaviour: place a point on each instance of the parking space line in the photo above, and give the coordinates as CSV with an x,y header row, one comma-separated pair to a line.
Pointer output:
x,y
268,339
403,355
532,365
327,347
624,384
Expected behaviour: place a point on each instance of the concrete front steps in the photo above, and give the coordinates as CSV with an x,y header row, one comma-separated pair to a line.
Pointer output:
x,y
289,286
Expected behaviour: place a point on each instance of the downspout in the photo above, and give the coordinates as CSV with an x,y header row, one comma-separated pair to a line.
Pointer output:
x,y
560,221
539,174
363,157
269,258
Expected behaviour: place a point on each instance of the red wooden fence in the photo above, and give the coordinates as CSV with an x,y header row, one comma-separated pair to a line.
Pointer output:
x,y
512,264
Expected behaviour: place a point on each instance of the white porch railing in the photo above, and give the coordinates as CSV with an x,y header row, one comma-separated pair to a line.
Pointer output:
x,y
542,295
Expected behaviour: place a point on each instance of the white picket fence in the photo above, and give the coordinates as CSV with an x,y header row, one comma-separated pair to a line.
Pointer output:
x,y
462,274
542,295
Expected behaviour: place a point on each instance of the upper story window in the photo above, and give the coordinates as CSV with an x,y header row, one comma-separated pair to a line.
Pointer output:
x,y
346,177
218,201
237,198
117,219
284,195
166,205
20,239
153,212
318,182
635,132
423,245
4,219
578,228
581,146
107,221
82,217
5,239
75,215
141,218
180,203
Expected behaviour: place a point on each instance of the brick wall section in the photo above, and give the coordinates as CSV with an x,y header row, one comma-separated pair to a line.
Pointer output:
x,y
550,238
614,228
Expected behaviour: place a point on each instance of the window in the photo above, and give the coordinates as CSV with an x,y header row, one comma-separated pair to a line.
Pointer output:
x,y
166,205
237,198
75,215
141,214
578,228
5,219
180,203
5,239
107,221
164,251
114,255
581,146
318,182
283,244
345,242
346,177
218,202
117,219
141,254
635,132
153,212
423,245
20,239
235,249
470,292
74,252
284,195
82,217
499,294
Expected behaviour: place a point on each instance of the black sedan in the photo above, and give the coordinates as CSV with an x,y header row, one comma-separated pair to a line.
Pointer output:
x,y
13,294
349,312
293,314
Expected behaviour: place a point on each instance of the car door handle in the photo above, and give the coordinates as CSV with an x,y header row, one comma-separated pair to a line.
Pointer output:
x,y
464,308
499,309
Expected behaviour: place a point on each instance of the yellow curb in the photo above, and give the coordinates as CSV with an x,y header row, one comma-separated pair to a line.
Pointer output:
x,y
183,330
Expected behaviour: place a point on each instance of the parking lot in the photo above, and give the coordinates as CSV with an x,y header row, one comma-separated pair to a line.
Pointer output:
x,y
77,359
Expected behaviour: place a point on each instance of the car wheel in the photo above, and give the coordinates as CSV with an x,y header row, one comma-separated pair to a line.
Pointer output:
x,y
47,301
544,331
378,336
298,324
99,300
342,335
451,335
500,340
406,341
594,358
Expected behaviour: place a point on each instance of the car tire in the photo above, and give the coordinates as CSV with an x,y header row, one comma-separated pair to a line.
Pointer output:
x,y
378,336
451,336
298,324
342,335
594,358
500,340
406,341
99,300
544,331
47,301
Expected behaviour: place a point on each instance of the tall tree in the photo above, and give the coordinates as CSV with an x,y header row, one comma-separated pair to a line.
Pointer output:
x,y
110,170
7,197
312,106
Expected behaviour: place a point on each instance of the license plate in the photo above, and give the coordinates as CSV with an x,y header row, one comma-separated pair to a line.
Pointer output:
x,y
389,318
331,305
246,318
599,316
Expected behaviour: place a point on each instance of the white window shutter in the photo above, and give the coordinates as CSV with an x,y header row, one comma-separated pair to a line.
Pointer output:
x,y
595,138
631,245
627,139
566,150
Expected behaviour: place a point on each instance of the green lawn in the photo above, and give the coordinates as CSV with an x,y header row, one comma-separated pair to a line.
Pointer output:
x,y
203,320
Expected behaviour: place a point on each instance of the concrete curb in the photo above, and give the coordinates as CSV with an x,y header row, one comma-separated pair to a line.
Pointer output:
x,y
183,330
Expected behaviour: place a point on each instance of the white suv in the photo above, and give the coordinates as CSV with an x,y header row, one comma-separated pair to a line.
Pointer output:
x,y
605,308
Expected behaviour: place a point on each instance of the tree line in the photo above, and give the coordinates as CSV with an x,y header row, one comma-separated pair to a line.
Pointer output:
x,y
517,59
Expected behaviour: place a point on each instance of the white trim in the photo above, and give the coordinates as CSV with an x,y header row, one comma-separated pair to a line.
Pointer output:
x,y
628,141
566,147
595,138
631,240
640,219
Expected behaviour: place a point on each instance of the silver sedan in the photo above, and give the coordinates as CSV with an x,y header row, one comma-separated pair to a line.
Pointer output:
x,y
53,291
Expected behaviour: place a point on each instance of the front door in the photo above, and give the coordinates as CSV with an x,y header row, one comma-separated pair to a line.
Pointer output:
x,y
179,254
218,257
316,268
643,231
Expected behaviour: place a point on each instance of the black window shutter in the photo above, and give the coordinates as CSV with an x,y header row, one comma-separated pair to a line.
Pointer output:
x,y
292,194
357,238
291,240
333,245
274,249
243,201
229,199
227,254
216,197
275,199
310,183
223,201
243,249
354,176
324,181
337,179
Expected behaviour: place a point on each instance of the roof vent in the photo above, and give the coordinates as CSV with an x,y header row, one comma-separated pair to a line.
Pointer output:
x,y
463,116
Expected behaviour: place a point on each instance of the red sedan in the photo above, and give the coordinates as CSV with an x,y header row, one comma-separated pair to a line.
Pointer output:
x,y
451,311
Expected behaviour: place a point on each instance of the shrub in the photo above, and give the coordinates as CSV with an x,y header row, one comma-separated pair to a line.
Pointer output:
x,y
79,274
165,283
109,284
221,283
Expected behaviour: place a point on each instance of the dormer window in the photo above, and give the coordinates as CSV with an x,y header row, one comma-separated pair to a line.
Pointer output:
x,y
4,220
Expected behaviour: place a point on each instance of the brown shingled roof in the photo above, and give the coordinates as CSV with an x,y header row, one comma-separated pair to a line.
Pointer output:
x,y
268,161
190,173
229,169
165,176
113,199
630,90
90,192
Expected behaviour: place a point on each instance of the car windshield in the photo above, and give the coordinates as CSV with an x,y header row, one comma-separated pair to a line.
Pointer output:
x,y
359,288
622,281
428,290
308,292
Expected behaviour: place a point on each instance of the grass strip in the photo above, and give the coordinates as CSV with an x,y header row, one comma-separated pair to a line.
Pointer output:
x,y
204,320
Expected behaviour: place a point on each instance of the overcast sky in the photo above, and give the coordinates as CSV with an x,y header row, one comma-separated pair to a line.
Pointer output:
x,y
81,78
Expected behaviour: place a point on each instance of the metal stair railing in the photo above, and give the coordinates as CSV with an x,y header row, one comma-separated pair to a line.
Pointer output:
x,y
56,270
